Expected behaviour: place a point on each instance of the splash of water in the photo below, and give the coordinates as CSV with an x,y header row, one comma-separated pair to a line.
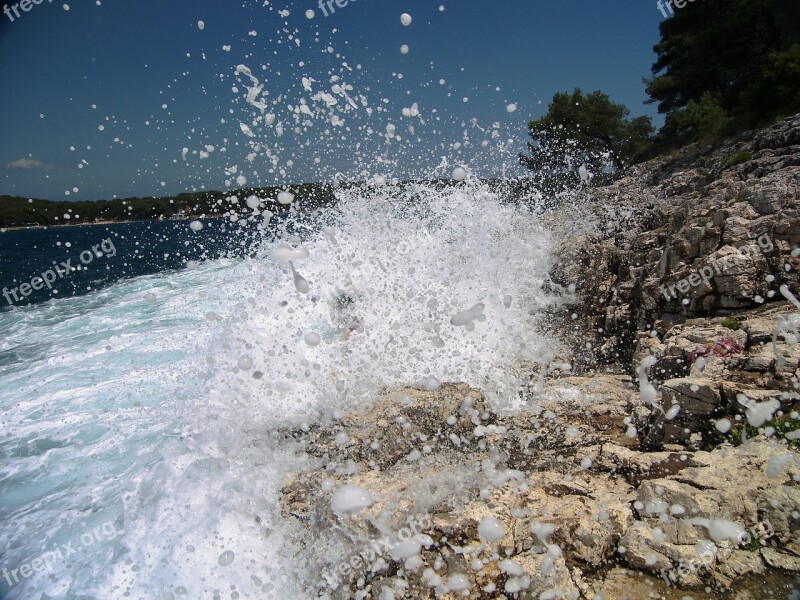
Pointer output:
x,y
441,283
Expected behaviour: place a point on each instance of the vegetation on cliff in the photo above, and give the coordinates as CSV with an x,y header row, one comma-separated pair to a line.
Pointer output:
x,y
722,67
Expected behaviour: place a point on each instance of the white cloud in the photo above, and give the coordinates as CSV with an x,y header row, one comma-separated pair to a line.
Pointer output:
x,y
28,164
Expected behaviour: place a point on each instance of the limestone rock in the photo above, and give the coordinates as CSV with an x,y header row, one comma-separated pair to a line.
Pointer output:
x,y
779,560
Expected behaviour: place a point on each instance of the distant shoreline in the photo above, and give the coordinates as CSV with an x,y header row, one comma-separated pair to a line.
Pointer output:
x,y
18,212
21,228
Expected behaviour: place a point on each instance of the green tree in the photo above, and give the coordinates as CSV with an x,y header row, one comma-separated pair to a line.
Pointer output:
x,y
775,92
703,120
726,65
587,131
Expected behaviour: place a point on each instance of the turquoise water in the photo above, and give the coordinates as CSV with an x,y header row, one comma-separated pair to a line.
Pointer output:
x,y
105,419
142,417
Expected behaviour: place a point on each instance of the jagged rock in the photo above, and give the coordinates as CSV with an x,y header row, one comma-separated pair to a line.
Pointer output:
x,y
682,214
576,465
646,549
735,361
589,519
622,584
597,497
779,560
742,485
658,496
738,564
638,466
696,399
696,396
602,403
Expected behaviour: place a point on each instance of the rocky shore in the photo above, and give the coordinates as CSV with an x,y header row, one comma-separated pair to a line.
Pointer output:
x,y
663,464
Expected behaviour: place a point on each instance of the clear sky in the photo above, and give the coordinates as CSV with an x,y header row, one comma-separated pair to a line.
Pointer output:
x,y
105,96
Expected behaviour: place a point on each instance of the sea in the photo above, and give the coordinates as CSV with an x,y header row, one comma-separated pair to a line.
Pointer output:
x,y
143,397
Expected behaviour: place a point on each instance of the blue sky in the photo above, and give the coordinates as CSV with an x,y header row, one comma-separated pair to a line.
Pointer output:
x,y
103,98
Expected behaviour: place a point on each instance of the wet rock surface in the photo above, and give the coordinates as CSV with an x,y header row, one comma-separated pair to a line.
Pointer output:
x,y
701,233
599,480
565,506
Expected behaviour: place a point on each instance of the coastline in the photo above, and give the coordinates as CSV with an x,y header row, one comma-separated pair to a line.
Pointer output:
x,y
26,227
673,432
